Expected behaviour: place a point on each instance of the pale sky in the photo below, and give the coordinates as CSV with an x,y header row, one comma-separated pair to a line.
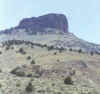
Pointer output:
x,y
83,15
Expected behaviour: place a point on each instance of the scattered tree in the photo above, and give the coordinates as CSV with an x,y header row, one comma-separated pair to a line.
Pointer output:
x,y
32,62
68,80
61,49
50,48
80,50
21,50
29,87
70,49
91,53
0,52
0,70
55,53
29,57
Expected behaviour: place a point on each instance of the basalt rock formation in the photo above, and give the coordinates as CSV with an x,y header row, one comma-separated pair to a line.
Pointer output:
x,y
53,21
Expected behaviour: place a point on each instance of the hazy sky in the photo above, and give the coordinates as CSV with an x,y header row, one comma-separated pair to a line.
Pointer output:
x,y
83,15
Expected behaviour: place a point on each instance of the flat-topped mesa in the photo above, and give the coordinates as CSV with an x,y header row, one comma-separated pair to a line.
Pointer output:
x,y
54,21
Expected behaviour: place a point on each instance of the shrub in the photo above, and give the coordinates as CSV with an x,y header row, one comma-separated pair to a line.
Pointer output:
x,y
80,50
7,48
58,60
53,84
32,62
0,52
50,48
0,70
0,85
29,75
41,91
29,87
91,53
61,49
29,57
68,80
17,85
70,49
73,72
21,50
45,45
55,53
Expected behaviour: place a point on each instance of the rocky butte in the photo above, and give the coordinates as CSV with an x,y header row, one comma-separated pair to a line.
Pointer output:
x,y
53,21
55,26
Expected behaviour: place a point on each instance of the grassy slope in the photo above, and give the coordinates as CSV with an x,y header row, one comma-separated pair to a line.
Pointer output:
x,y
85,80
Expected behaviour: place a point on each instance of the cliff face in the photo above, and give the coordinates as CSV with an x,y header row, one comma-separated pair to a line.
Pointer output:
x,y
56,21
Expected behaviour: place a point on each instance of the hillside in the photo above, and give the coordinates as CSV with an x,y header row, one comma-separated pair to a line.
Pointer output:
x,y
41,56
51,29
31,68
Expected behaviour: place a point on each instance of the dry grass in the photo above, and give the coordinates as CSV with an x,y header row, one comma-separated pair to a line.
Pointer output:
x,y
85,80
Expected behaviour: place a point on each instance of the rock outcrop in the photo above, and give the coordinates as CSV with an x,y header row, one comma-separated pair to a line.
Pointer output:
x,y
54,21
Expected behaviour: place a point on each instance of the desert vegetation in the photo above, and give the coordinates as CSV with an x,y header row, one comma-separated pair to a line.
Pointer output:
x,y
53,70
9,43
68,80
29,88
